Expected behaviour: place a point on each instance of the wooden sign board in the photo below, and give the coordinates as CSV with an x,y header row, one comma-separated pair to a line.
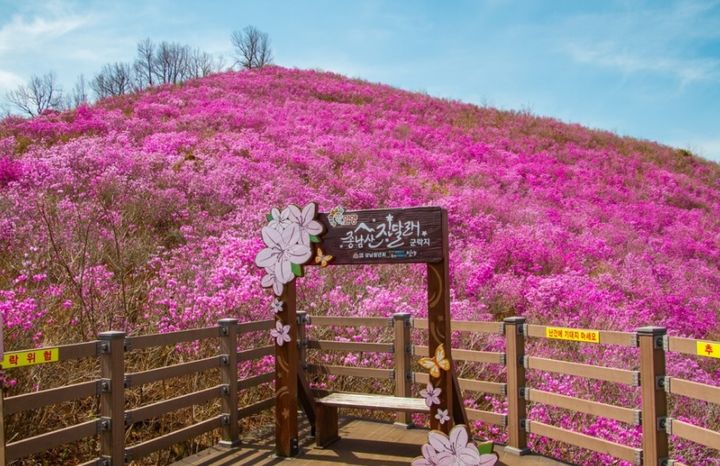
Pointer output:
x,y
384,236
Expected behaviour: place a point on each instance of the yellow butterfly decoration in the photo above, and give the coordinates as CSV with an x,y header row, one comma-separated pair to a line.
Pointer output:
x,y
436,363
322,259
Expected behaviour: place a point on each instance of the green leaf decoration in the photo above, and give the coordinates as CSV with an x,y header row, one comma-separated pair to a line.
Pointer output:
x,y
314,239
485,448
297,270
269,217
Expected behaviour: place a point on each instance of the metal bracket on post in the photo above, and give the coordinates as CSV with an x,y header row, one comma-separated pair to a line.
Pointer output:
x,y
524,393
665,424
103,347
637,417
667,380
660,382
103,424
102,386
666,343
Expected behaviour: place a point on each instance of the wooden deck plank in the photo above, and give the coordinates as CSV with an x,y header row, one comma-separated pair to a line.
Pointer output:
x,y
362,443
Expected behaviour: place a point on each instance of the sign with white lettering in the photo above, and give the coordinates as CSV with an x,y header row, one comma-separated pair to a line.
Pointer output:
x,y
383,236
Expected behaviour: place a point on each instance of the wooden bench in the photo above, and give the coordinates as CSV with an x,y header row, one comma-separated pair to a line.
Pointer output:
x,y
326,410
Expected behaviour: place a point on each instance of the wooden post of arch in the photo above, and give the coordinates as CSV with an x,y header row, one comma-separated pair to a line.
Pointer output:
x,y
286,376
438,288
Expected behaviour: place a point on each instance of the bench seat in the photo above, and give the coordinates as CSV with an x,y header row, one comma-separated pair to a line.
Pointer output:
x,y
374,402
326,426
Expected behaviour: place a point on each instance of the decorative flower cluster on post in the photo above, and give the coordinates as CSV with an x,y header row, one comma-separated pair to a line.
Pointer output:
x,y
454,450
288,238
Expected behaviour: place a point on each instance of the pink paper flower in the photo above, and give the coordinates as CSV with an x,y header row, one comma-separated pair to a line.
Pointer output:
x,y
442,416
281,333
431,395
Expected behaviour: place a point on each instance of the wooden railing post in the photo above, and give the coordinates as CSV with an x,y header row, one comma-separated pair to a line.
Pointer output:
x,y
2,425
112,397
654,398
302,319
228,347
403,374
305,396
517,409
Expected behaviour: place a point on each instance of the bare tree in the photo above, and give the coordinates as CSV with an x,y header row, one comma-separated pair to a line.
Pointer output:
x,y
40,94
144,65
79,94
171,63
252,47
201,64
113,80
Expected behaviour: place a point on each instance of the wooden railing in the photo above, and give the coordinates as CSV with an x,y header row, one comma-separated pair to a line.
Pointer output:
x,y
113,419
110,425
649,376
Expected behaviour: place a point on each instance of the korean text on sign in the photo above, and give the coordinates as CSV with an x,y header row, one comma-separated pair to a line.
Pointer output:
x,y
30,358
390,234
572,334
708,349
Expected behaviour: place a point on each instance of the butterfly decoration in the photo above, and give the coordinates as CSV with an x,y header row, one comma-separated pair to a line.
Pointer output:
x,y
322,258
436,363
335,216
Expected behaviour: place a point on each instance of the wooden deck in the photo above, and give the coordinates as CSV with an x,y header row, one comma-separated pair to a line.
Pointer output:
x,y
362,443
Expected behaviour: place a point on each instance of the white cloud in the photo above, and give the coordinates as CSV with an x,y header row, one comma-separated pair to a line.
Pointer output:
x,y
8,81
23,33
660,39
685,70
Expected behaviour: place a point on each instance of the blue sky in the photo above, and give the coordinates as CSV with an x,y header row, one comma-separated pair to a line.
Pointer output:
x,y
645,69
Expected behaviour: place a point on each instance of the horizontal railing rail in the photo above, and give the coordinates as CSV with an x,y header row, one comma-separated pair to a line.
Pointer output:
x,y
110,424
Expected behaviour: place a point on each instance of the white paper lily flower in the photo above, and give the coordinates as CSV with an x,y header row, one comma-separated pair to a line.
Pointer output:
x,y
431,395
452,450
305,220
429,457
268,280
279,220
281,252
281,333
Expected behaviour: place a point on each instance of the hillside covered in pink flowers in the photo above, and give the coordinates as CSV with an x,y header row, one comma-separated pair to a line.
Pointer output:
x,y
143,213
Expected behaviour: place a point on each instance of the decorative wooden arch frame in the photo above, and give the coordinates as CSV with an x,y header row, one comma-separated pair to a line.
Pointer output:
x,y
394,236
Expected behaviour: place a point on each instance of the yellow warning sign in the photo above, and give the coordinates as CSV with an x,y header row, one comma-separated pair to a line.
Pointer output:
x,y
572,334
708,349
30,358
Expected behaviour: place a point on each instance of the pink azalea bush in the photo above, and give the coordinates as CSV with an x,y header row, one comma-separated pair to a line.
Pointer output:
x,y
143,213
